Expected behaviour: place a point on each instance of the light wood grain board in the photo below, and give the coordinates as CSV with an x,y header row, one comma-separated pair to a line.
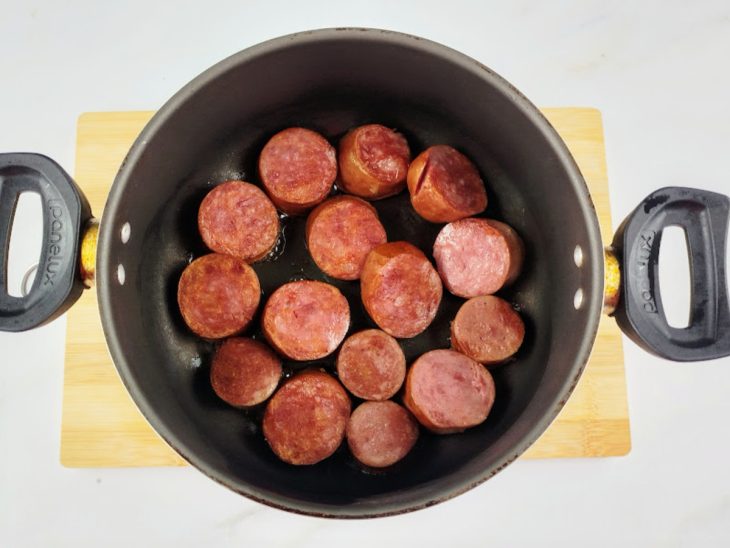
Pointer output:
x,y
101,426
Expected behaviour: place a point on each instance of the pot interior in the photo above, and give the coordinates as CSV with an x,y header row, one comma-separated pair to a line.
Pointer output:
x,y
331,81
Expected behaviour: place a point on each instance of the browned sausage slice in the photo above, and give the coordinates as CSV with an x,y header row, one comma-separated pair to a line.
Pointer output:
x,y
305,420
487,329
400,289
218,295
306,320
371,365
244,372
477,256
373,161
237,218
340,233
297,167
381,433
448,392
445,186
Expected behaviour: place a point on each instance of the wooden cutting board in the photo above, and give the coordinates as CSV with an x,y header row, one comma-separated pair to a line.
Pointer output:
x,y
102,427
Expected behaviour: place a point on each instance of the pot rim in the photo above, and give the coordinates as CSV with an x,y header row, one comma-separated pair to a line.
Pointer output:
x,y
593,259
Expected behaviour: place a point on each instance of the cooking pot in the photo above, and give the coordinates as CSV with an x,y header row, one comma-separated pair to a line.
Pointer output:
x,y
330,81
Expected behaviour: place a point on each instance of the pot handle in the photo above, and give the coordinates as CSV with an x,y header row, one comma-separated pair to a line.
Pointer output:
x,y
704,217
66,211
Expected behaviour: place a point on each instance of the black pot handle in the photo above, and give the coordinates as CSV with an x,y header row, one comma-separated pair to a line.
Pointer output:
x,y
704,217
57,283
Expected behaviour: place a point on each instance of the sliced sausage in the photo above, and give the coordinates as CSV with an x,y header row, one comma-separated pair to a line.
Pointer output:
x,y
487,329
371,365
340,233
445,186
297,167
306,418
477,256
448,392
237,218
306,320
244,372
380,433
218,295
373,162
400,289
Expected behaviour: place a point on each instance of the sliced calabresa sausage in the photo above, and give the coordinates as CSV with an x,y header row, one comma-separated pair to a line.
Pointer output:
x,y
445,186
237,218
448,392
340,233
400,289
298,168
306,320
218,295
477,256
371,365
244,372
487,329
373,161
380,433
306,418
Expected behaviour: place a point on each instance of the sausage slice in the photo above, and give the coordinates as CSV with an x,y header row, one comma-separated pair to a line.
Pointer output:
x,y
340,233
305,420
306,320
298,168
487,329
371,365
448,392
400,289
380,433
445,186
373,162
244,372
477,256
238,219
218,295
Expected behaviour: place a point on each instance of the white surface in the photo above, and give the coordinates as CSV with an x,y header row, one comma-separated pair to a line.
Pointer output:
x,y
661,76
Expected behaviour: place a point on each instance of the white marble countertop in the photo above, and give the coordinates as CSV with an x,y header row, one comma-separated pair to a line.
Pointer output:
x,y
659,72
